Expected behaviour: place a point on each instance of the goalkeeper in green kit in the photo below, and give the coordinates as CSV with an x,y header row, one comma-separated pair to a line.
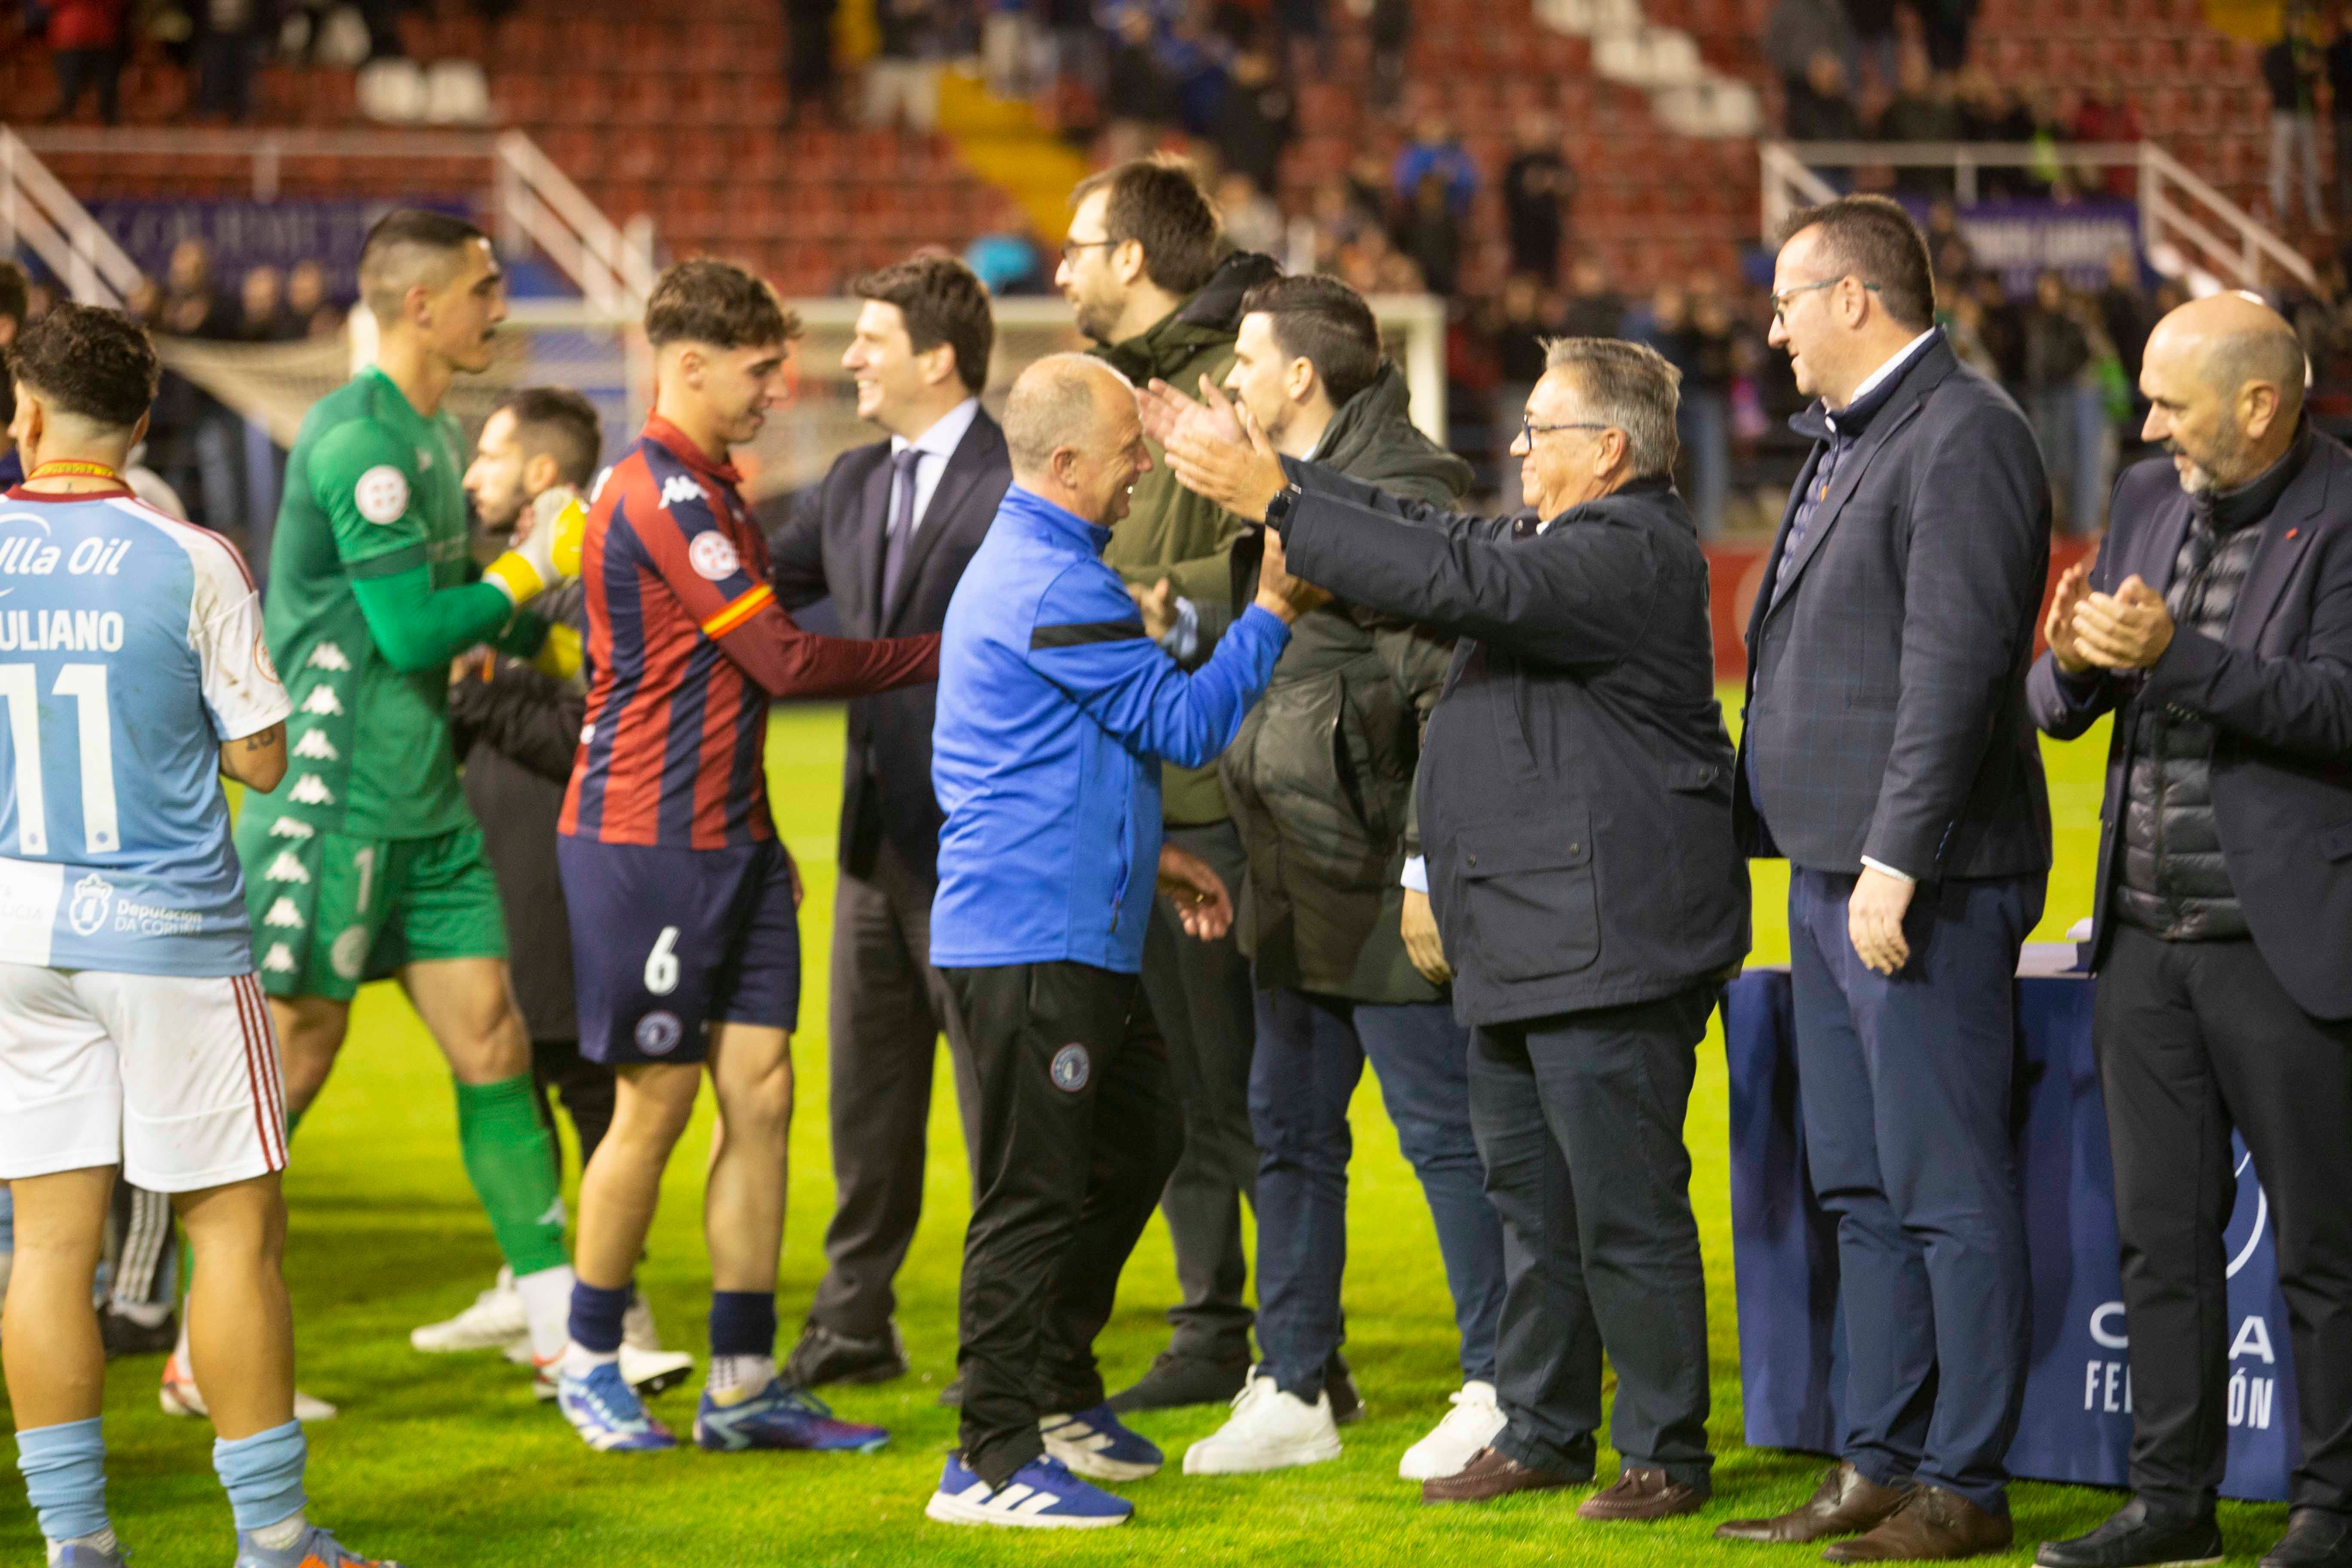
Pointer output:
x,y
369,864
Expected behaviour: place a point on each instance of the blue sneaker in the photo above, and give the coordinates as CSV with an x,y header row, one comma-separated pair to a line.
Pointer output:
x,y
608,1415
314,1548
782,1417
1041,1495
1093,1443
75,1554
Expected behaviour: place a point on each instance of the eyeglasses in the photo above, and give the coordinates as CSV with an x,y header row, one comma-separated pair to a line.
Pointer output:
x,y
1529,429
1781,301
1070,247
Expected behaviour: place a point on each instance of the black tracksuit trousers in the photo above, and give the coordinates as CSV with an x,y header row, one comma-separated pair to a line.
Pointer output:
x,y
1078,1129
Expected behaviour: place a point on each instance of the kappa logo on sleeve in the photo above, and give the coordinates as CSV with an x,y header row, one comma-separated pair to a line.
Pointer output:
x,y
382,494
714,556
681,487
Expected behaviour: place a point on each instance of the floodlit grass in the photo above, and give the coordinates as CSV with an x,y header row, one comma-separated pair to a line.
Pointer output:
x,y
445,1460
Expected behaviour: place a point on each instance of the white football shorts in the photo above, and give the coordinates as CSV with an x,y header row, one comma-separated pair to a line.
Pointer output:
x,y
176,1079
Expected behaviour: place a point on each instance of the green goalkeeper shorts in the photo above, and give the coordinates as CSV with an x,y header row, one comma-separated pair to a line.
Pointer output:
x,y
330,912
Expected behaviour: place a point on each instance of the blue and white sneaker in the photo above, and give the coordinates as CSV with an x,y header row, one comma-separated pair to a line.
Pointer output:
x,y
607,1413
782,1417
1041,1495
314,1548
1093,1443
80,1554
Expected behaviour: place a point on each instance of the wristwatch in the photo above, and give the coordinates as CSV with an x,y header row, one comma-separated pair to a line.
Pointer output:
x,y
1278,510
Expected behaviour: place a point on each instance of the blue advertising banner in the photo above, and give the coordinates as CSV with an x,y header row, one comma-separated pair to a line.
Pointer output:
x,y
2019,239
242,235
2076,1421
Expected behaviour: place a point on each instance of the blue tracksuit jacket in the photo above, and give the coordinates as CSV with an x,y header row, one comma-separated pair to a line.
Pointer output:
x,y
1055,713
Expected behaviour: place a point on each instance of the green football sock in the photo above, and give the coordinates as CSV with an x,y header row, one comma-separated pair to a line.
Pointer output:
x,y
510,1160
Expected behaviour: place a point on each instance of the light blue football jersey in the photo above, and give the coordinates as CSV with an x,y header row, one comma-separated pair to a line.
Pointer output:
x,y
130,650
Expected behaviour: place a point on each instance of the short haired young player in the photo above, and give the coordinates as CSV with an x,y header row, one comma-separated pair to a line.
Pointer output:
x,y
370,864
683,899
132,1032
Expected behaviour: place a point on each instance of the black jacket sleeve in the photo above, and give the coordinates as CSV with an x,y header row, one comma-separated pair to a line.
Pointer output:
x,y
522,712
1580,594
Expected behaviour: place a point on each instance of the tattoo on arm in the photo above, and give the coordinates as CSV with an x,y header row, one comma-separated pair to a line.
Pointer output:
x,y
273,736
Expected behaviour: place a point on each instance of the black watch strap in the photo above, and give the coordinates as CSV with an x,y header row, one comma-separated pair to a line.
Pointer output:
x,y
1278,510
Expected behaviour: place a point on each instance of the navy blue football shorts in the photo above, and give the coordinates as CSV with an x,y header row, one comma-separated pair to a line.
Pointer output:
x,y
666,942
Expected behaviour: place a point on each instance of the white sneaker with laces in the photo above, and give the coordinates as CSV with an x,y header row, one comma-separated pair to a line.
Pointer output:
x,y
1268,1430
1474,1423
496,1321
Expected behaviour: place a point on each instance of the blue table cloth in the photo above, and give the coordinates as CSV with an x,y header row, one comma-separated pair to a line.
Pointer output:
x,y
2076,1424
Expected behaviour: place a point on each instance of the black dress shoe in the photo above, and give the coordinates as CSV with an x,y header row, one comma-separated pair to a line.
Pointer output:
x,y
122,1335
822,1356
1175,1381
2315,1538
2139,1537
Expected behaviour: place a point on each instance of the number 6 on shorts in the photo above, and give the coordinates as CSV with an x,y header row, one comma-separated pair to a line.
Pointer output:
x,y
661,963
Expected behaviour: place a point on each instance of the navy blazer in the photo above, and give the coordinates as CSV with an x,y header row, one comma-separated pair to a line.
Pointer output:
x,y
2278,689
1575,788
829,543
1885,709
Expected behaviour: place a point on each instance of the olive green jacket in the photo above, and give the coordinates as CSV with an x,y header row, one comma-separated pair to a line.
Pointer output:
x,y
1169,532
1320,777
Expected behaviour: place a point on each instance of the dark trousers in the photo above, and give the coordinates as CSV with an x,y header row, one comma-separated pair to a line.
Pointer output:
x,y
1200,992
1904,1082
586,1088
1580,1118
1310,1056
1077,1138
80,69
888,1010
2195,1038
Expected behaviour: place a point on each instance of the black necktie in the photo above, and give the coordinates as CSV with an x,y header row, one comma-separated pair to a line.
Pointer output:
x,y
902,527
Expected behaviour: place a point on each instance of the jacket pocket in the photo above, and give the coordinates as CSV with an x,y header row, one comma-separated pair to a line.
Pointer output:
x,y
1699,778
1529,897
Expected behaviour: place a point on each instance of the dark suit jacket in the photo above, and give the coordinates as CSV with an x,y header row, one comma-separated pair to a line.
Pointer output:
x,y
2278,688
831,544
1575,787
1886,688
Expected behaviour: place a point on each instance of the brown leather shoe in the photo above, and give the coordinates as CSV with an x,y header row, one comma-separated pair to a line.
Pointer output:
x,y
1490,1474
1846,1502
1930,1525
1641,1493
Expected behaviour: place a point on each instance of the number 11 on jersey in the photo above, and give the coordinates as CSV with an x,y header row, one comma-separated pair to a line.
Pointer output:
x,y
86,684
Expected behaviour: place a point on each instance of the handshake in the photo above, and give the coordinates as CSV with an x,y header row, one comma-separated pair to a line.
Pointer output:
x,y
548,539
1217,451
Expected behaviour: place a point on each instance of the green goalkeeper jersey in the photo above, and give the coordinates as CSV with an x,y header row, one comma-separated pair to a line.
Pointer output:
x,y
373,490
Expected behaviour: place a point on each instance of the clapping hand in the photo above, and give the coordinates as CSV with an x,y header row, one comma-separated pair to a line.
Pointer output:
x,y
1165,410
1279,592
2129,629
1221,454
1157,605
2058,626
1202,905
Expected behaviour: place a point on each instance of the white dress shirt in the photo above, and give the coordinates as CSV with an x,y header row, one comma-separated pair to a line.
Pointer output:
x,y
937,445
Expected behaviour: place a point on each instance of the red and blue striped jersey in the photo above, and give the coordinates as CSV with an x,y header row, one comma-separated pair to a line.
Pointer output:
x,y
685,646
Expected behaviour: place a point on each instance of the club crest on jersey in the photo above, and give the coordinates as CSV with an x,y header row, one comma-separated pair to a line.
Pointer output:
x,y
287,867
315,744
322,700
327,656
714,556
280,960
283,915
1072,1067
311,790
350,951
291,827
659,1033
681,487
382,494
92,897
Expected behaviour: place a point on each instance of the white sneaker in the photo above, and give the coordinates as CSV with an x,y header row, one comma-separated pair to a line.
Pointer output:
x,y
1268,1430
494,1321
1474,1423
648,1372
179,1395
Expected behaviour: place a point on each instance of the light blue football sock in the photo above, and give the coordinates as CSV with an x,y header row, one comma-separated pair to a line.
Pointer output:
x,y
262,1475
65,1477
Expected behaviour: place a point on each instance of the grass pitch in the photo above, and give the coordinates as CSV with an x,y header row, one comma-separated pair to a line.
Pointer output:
x,y
447,1460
